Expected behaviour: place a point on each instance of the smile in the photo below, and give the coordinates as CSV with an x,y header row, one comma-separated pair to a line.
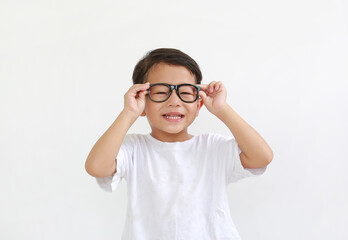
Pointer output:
x,y
173,116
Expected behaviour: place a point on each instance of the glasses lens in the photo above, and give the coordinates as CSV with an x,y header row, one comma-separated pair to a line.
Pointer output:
x,y
159,92
188,93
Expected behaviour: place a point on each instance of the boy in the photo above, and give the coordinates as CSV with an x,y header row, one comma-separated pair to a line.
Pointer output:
x,y
176,182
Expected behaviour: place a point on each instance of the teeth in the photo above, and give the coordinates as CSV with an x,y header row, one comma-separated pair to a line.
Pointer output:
x,y
173,117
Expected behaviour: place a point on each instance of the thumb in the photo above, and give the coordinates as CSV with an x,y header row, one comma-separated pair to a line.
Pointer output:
x,y
203,95
142,95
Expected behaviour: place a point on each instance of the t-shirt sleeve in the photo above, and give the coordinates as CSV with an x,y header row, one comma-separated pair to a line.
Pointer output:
x,y
234,170
124,159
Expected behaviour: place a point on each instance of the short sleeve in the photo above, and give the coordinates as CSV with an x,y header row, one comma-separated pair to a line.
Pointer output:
x,y
124,158
234,169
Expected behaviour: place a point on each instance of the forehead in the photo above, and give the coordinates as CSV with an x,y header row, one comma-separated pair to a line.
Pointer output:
x,y
170,74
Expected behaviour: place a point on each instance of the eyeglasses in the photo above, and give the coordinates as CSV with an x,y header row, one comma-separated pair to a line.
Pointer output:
x,y
160,92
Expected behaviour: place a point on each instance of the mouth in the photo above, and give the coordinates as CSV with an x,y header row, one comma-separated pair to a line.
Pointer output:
x,y
173,116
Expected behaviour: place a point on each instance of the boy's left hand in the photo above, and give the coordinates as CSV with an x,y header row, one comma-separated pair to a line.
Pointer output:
x,y
214,96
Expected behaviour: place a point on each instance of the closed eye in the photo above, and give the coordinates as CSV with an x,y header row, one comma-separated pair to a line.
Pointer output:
x,y
186,93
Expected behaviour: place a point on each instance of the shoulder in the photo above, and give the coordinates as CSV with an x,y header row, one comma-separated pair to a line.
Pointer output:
x,y
214,139
134,136
134,139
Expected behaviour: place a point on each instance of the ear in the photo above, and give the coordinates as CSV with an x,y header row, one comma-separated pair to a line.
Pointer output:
x,y
199,105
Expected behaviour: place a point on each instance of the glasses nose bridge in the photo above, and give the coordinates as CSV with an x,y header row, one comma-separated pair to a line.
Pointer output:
x,y
174,87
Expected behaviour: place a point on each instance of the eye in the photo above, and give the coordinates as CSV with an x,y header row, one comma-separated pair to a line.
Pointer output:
x,y
187,90
159,90
160,93
186,93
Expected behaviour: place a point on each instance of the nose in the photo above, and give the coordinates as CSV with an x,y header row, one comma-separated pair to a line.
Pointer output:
x,y
174,99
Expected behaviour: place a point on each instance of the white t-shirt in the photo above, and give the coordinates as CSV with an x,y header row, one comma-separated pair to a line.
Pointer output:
x,y
178,190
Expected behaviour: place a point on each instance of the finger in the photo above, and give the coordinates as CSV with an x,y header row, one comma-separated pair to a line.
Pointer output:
x,y
203,88
142,94
208,88
138,87
217,86
211,86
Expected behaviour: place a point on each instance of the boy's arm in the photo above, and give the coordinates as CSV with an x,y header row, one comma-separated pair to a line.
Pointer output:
x,y
101,161
255,151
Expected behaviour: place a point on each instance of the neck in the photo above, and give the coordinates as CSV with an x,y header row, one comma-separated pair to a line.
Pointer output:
x,y
171,137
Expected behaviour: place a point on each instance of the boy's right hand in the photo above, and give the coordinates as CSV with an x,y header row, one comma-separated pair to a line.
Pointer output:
x,y
134,99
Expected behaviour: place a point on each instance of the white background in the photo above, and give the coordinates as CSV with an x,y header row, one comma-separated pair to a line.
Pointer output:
x,y
65,66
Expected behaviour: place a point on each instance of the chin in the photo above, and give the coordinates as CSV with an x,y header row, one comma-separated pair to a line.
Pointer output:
x,y
174,131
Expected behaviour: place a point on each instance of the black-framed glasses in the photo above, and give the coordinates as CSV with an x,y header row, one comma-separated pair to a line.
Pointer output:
x,y
160,92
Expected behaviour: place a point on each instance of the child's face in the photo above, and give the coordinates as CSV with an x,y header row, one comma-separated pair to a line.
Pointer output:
x,y
169,120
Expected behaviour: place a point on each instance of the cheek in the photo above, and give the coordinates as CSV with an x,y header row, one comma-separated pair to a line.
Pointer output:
x,y
151,108
198,107
193,112
148,105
